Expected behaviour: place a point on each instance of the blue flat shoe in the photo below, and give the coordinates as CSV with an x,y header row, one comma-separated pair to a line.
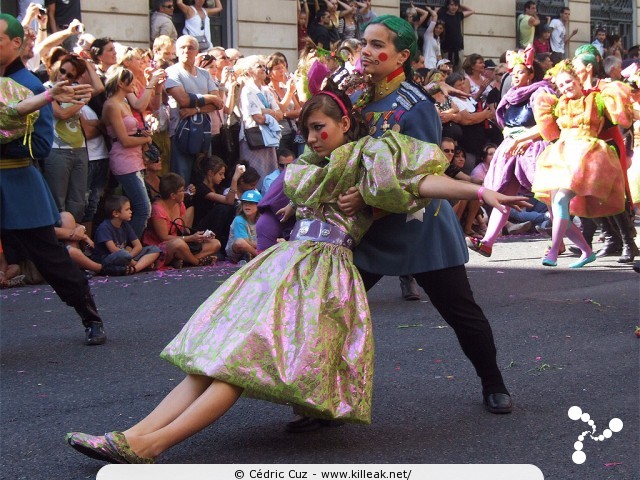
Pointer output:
x,y
549,263
583,262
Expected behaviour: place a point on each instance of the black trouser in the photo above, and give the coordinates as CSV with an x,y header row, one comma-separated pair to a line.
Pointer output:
x,y
52,260
450,292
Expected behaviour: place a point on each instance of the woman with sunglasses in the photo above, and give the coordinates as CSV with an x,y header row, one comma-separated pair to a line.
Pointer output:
x,y
66,167
283,87
196,21
258,107
125,157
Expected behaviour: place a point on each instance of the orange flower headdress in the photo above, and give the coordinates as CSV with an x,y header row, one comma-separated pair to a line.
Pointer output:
x,y
524,57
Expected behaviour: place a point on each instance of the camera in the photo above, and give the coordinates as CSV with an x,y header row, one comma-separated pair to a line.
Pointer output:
x,y
209,234
43,11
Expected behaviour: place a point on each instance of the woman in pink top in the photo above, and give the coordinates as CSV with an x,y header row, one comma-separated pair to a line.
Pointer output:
x,y
125,157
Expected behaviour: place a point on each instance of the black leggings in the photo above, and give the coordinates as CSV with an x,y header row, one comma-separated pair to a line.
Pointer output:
x,y
450,292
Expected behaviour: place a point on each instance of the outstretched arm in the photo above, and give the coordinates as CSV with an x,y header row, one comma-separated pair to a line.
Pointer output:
x,y
436,186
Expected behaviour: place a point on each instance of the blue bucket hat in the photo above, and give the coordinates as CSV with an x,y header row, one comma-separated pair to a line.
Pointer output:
x,y
251,196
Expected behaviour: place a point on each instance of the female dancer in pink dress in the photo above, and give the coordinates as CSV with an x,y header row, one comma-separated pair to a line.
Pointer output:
x,y
293,325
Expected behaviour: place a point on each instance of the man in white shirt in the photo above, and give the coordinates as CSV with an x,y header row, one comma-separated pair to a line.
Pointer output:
x,y
601,36
559,39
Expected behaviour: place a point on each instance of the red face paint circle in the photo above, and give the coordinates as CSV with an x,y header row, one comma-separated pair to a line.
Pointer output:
x,y
324,135
383,57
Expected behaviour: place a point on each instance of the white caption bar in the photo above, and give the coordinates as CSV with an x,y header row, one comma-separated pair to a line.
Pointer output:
x,y
320,471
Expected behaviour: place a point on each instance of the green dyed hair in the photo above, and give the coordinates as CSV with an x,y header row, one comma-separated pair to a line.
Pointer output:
x,y
14,27
405,38
588,55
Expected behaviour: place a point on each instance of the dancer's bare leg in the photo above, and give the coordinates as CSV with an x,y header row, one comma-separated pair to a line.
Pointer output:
x,y
206,409
176,402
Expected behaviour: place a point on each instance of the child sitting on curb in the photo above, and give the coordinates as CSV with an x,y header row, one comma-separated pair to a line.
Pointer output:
x,y
242,235
117,244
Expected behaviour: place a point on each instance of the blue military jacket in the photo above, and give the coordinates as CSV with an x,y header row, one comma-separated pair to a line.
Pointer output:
x,y
401,244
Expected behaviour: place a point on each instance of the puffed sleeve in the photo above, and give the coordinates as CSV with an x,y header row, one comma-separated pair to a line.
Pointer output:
x,y
394,165
618,105
544,113
13,125
312,180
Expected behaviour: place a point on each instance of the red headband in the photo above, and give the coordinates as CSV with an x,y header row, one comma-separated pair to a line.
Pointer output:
x,y
338,101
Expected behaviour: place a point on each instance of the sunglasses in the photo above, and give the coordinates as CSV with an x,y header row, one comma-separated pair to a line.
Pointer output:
x,y
66,73
168,6
261,66
202,24
448,150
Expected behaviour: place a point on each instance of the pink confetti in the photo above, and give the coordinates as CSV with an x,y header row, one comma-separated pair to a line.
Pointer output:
x,y
538,359
612,464
535,337
499,271
438,361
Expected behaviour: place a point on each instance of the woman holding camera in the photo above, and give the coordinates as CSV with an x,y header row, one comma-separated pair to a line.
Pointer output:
x,y
65,169
125,157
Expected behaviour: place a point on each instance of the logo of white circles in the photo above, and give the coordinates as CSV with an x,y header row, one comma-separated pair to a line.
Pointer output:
x,y
575,413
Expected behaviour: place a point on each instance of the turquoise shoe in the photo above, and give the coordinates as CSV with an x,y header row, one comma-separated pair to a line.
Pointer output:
x,y
549,263
583,262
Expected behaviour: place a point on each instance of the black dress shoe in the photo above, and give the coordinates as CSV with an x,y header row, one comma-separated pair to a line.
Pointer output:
x,y
610,250
94,334
309,424
409,288
498,403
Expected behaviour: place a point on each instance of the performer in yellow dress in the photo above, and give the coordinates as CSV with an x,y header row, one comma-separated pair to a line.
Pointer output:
x,y
579,174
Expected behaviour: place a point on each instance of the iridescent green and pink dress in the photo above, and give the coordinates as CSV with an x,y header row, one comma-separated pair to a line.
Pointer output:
x,y
293,325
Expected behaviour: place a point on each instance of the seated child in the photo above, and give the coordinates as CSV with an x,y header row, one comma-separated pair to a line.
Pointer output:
x,y
115,241
242,235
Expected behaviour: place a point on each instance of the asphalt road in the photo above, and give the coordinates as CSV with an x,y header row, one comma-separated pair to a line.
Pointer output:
x,y
565,338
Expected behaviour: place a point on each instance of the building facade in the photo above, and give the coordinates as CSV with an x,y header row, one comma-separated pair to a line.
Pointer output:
x,y
270,25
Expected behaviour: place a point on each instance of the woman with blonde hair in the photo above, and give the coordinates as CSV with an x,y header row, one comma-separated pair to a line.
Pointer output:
x,y
259,109
146,94
125,156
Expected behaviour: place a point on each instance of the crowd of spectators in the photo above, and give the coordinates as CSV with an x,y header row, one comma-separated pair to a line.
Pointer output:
x,y
125,143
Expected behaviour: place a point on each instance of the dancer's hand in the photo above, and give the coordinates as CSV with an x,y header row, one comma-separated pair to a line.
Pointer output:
x,y
286,213
502,202
351,202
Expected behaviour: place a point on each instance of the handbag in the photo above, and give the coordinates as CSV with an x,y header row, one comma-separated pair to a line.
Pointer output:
x,y
254,137
193,134
180,229
203,43
153,153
